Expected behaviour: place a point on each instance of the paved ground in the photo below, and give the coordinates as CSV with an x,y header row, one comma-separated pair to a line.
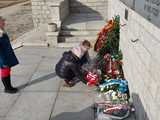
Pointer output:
x,y
6,3
42,96
18,18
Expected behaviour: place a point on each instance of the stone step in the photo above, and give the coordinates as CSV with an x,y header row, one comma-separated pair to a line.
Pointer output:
x,y
92,6
71,44
69,39
86,1
92,9
78,4
83,15
81,3
83,24
78,33
67,45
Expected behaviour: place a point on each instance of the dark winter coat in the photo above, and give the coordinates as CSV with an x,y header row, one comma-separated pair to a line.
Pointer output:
x,y
7,56
69,66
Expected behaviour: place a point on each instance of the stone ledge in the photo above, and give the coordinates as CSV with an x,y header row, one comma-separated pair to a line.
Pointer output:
x,y
56,3
52,38
52,34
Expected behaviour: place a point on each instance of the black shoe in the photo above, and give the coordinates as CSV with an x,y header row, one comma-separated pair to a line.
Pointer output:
x,y
11,90
8,87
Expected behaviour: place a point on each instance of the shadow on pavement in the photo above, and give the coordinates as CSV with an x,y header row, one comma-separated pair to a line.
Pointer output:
x,y
85,114
140,111
38,80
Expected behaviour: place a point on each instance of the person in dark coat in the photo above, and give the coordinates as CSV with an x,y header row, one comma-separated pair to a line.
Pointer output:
x,y
7,59
69,66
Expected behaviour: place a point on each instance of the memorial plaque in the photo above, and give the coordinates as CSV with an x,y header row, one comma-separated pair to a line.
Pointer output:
x,y
149,9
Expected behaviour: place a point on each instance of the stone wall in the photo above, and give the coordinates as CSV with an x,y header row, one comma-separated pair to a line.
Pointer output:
x,y
140,44
89,6
45,11
18,18
40,11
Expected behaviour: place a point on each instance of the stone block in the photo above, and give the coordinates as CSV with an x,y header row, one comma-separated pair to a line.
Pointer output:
x,y
52,38
155,52
36,0
145,36
143,53
44,7
38,7
42,3
34,3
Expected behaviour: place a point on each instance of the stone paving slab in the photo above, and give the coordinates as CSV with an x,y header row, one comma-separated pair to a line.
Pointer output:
x,y
73,106
43,82
18,17
6,3
6,102
42,95
18,81
32,106
48,64
79,87
23,70
25,59
2,118
41,51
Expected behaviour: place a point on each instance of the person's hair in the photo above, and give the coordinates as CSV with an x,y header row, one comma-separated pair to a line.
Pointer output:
x,y
86,43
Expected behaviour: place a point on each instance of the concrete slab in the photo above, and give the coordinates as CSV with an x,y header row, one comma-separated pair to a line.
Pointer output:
x,y
73,106
6,102
18,81
32,106
48,64
29,50
2,118
42,87
79,87
41,51
43,82
25,59
23,70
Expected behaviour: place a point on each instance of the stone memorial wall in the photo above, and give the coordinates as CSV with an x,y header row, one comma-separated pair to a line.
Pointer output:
x,y
150,9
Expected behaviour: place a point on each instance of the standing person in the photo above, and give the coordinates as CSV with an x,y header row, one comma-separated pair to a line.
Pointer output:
x,y
7,59
69,66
